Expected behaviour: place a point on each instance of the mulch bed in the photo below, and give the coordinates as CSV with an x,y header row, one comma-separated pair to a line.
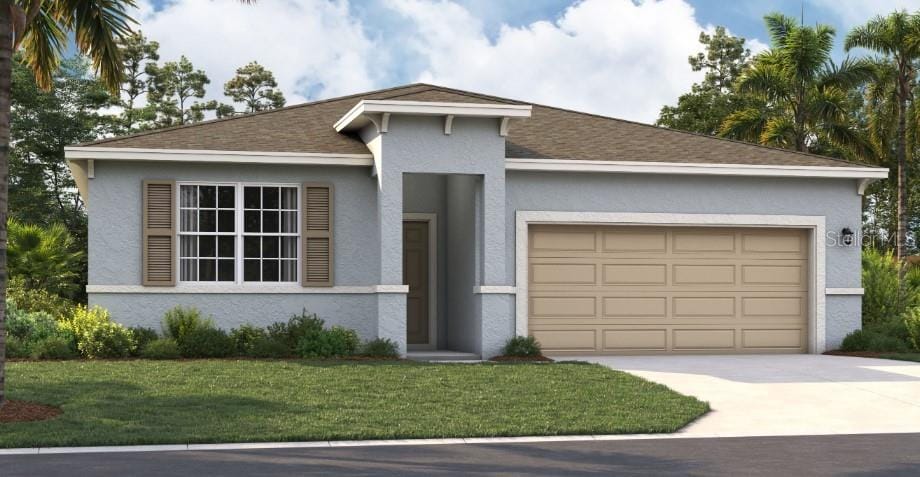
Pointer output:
x,y
540,358
24,411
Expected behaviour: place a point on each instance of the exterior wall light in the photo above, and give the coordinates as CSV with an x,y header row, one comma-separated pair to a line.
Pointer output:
x,y
847,236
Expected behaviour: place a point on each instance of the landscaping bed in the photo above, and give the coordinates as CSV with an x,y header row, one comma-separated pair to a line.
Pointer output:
x,y
206,401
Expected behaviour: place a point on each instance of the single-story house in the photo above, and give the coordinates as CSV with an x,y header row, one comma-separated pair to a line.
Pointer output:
x,y
449,220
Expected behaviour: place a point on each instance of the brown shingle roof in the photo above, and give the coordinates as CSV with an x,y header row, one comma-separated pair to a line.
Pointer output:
x,y
550,133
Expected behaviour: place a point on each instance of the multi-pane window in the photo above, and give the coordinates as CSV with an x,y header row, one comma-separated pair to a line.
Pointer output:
x,y
270,234
216,221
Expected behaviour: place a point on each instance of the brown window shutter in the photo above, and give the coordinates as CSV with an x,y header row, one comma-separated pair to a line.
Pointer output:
x,y
159,267
317,235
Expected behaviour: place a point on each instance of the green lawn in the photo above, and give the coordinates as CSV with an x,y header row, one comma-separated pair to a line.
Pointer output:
x,y
162,402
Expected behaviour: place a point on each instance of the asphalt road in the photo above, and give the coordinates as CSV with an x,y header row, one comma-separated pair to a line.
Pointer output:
x,y
850,455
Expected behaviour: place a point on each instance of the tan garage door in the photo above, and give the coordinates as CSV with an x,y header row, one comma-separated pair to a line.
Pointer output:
x,y
634,290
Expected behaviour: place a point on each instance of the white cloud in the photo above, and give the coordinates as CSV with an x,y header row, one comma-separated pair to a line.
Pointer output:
x,y
310,45
613,57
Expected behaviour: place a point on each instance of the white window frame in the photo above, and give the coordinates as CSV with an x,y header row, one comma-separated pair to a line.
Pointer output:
x,y
239,234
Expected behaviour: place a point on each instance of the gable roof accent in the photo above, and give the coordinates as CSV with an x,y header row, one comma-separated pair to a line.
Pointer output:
x,y
550,133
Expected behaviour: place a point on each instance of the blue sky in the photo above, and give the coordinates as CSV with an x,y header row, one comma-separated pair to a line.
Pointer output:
x,y
622,58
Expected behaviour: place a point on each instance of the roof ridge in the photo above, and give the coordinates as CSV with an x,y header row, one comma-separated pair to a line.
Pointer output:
x,y
247,115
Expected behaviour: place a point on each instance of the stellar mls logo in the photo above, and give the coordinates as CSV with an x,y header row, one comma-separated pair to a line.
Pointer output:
x,y
844,238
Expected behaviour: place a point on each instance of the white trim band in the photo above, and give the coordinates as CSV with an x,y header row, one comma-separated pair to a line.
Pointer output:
x,y
193,155
254,289
815,223
566,165
494,290
844,291
376,110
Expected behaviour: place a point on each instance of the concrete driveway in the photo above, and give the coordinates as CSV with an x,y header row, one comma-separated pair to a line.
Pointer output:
x,y
764,395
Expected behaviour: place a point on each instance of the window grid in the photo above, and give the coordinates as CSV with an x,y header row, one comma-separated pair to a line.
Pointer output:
x,y
207,230
281,259
271,232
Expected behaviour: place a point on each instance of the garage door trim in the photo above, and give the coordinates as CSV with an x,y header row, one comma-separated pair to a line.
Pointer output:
x,y
814,223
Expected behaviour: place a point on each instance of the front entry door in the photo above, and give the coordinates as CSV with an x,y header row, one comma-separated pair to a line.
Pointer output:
x,y
415,274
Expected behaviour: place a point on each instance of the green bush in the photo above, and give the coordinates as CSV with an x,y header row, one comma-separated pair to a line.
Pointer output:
x,y
883,298
108,340
54,347
162,348
874,340
17,348
267,347
143,336
180,321
296,329
31,299
206,343
97,336
245,337
332,343
912,326
43,258
522,346
380,348
29,326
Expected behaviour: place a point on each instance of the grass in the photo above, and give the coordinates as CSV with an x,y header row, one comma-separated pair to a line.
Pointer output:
x,y
168,402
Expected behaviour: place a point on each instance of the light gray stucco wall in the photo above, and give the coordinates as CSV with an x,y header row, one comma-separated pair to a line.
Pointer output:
x,y
419,145
463,318
115,244
835,199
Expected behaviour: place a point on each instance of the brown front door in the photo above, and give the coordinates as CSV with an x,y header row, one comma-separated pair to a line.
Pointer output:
x,y
415,274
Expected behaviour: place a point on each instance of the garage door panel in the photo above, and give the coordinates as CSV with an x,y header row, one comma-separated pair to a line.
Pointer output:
x,y
564,273
635,274
779,338
698,306
703,339
653,290
557,340
703,241
635,307
563,306
632,340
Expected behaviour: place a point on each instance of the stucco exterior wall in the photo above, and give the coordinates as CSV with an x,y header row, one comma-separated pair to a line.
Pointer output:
x,y
836,200
115,245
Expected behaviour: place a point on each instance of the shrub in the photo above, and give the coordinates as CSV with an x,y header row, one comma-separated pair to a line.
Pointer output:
x,y
143,336
206,343
180,321
17,347
297,329
54,347
31,299
912,324
522,346
883,298
44,258
162,348
29,326
380,348
108,340
267,347
331,343
97,336
873,340
245,337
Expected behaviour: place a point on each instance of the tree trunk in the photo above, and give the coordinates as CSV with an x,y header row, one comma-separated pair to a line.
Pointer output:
x,y
901,153
6,82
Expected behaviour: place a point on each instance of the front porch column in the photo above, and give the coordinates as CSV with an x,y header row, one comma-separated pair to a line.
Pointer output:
x,y
391,307
495,302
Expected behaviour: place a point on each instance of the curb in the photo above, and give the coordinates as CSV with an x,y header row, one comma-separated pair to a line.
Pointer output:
x,y
390,442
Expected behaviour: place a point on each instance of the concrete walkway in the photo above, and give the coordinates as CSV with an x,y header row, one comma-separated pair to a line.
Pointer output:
x,y
765,395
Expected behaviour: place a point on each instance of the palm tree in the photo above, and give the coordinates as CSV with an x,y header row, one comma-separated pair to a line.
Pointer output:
x,y
897,37
41,28
800,98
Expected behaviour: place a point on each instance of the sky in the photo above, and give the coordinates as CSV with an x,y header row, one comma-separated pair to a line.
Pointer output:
x,y
621,58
